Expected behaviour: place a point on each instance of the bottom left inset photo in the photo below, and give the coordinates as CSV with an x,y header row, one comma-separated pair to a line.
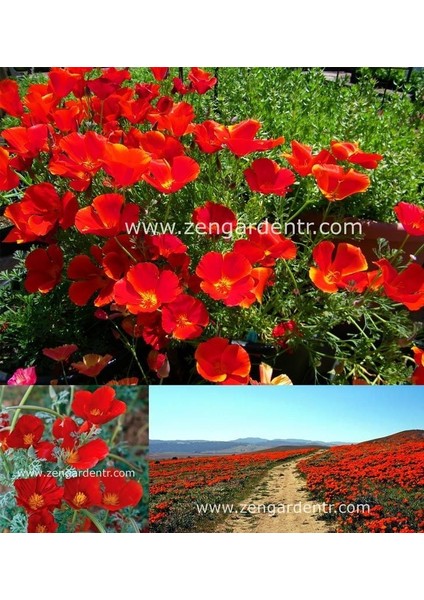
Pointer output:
x,y
73,459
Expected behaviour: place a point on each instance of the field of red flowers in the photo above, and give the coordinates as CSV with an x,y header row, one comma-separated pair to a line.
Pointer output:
x,y
386,474
178,485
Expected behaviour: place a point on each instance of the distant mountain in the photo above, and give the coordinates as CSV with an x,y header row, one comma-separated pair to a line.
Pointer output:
x,y
238,446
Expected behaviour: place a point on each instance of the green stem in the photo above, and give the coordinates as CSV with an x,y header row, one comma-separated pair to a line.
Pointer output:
x,y
289,271
298,212
64,372
127,252
35,409
93,519
134,524
19,407
124,461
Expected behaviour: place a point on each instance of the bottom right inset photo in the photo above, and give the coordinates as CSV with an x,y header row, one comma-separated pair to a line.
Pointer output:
x,y
286,459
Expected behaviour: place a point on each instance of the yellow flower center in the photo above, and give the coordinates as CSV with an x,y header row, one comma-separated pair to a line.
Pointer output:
x,y
72,457
332,276
80,499
28,439
223,286
35,501
96,412
148,300
41,529
182,320
111,499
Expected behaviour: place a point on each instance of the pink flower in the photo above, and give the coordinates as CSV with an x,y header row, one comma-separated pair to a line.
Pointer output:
x,y
25,376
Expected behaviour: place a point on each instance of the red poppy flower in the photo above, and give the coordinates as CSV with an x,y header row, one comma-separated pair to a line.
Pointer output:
x,y
302,160
172,117
166,245
108,82
411,216
119,492
159,73
107,216
418,374
98,407
240,139
8,177
266,177
265,246
27,142
214,219
210,136
42,521
125,165
9,98
145,288
350,151
406,287
25,376
78,157
179,87
40,212
82,492
185,317
201,81
169,177
226,277
221,362
64,81
124,381
40,102
149,327
335,269
27,432
67,430
44,269
60,353
88,279
262,277
38,493
337,184
86,456
92,364
157,144
159,363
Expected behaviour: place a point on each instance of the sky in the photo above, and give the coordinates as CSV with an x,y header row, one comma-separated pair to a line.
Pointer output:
x,y
321,413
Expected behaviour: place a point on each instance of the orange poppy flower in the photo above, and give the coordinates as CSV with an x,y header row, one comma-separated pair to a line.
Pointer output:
x,y
215,219
337,184
221,362
40,102
78,157
411,216
418,374
82,492
406,287
169,177
265,376
119,492
265,246
351,151
145,288
226,277
125,165
44,269
201,81
60,353
10,101
42,521
302,160
40,212
335,268
172,117
92,364
157,144
124,381
240,138
262,277
266,177
107,216
98,407
38,493
27,142
86,456
8,177
63,81
185,317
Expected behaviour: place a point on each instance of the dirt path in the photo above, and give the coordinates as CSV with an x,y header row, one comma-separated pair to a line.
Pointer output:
x,y
282,486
